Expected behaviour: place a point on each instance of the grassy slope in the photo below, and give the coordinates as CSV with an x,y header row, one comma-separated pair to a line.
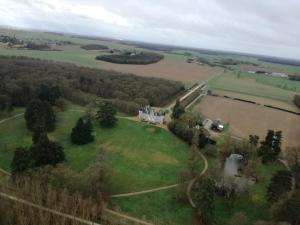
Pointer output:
x,y
245,85
142,156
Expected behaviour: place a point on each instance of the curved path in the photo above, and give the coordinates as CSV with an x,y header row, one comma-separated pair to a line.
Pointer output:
x,y
191,183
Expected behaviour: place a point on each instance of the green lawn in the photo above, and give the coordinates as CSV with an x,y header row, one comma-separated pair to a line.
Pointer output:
x,y
249,86
142,156
158,206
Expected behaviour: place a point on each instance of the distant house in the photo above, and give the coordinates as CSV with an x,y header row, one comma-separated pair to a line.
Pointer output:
x,y
150,115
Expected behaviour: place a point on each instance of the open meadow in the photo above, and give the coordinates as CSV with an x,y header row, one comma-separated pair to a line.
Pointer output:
x,y
245,118
143,156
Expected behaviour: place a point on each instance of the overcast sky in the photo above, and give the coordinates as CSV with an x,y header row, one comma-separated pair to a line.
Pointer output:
x,y
269,27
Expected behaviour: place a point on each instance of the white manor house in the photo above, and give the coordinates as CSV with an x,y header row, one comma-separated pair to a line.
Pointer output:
x,y
150,115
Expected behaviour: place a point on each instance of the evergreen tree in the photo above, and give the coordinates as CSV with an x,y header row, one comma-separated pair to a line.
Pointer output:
x,y
271,147
253,139
49,94
106,114
82,132
36,134
178,110
280,184
21,161
46,152
288,209
204,198
202,140
277,143
39,115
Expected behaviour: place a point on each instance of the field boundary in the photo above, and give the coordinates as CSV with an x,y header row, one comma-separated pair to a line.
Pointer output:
x,y
256,103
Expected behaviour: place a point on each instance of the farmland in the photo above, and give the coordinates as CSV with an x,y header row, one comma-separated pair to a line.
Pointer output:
x,y
169,69
245,119
249,86
172,67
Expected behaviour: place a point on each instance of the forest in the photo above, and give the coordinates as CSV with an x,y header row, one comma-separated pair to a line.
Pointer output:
x,y
142,58
94,47
21,78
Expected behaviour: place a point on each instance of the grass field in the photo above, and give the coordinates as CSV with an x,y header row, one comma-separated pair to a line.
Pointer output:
x,y
245,119
246,85
142,156
159,206
279,82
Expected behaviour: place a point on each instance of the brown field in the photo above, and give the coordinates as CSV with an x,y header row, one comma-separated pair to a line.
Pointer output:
x,y
245,119
266,101
168,69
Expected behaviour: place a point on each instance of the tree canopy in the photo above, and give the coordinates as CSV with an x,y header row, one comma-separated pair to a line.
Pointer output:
x,y
82,132
270,148
46,152
281,183
21,80
106,114
178,110
204,197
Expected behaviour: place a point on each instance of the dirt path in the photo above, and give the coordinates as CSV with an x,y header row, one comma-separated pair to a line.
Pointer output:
x,y
144,192
191,183
10,118
132,219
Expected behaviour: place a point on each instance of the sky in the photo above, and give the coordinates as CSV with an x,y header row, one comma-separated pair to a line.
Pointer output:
x,y
268,27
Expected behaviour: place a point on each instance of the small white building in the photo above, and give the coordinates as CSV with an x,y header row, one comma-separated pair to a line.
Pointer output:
x,y
276,74
150,115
